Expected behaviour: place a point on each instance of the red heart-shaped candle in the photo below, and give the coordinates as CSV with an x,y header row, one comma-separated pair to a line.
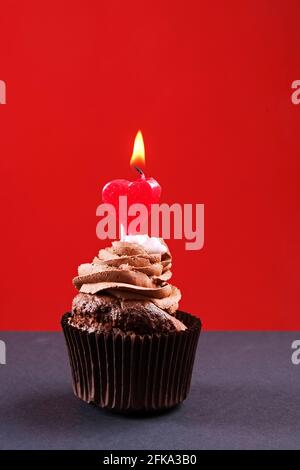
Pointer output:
x,y
143,190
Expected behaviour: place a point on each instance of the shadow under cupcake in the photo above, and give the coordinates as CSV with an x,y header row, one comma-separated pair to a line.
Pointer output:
x,y
130,348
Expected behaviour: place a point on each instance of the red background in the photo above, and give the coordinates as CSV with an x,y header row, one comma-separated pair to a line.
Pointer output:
x,y
209,84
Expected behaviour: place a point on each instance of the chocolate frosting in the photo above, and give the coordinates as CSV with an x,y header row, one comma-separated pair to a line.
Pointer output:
x,y
127,271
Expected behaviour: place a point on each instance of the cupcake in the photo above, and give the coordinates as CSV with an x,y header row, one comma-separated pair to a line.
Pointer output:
x,y
130,348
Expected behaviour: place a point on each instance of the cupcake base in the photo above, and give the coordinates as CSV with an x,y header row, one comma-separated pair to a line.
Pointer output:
x,y
129,372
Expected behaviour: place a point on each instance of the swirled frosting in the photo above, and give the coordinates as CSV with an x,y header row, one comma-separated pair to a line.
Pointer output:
x,y
127,271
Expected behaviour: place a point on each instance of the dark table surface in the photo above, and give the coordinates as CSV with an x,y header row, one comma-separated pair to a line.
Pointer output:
x,y
245,394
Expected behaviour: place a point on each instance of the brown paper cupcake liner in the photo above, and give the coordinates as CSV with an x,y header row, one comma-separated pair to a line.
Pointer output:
x,y
130,372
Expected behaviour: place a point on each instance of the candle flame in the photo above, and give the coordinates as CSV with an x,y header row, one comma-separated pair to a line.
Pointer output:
x,y
138,154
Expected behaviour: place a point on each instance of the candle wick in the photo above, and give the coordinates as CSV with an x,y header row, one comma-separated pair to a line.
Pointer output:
x,y
139,170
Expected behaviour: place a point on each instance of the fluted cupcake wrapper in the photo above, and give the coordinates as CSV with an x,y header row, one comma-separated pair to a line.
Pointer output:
x,y
132,372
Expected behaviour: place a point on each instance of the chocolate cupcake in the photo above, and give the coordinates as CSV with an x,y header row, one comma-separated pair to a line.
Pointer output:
x,y
130,348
